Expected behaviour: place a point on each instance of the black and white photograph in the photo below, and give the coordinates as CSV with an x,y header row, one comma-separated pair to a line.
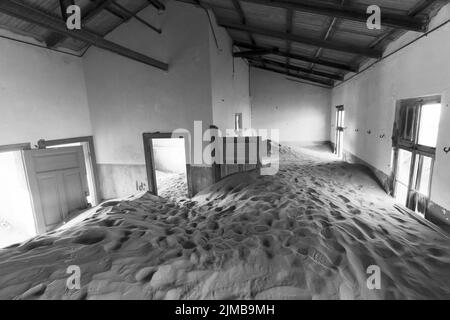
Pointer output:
x,y
229,156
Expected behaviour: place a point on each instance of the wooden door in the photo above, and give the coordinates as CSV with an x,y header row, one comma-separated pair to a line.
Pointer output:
x,y
58,184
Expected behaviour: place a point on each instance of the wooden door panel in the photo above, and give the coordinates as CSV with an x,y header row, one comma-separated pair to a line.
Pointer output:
x,y
45,162
49,196
74,189
58,184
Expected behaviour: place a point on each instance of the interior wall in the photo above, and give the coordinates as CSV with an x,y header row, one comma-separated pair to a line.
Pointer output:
x,y
369,99
42,95
229,81
300,111
127,98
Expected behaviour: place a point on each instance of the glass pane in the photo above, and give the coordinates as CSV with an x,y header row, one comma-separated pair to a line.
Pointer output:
x,y
425,176
401,193
409,121
404,166
429,124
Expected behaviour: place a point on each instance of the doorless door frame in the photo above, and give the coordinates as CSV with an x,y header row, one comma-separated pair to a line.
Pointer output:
x,y
340,129
15,147
90,141
150,163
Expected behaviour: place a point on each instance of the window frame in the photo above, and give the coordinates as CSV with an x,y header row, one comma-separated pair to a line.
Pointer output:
x,y
418,151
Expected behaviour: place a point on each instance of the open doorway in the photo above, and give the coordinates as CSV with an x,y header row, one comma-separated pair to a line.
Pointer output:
x,y
166,162
339,147
16,213
415,139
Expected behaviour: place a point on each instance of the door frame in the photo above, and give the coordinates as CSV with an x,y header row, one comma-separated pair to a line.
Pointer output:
x,y
339,145
15,147
91,156
150,162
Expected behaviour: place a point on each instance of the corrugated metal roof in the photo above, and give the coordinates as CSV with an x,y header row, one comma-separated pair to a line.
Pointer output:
x,y
269,17
320,27
103,23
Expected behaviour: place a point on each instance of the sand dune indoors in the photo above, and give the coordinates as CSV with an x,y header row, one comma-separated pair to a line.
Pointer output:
x,y
310,232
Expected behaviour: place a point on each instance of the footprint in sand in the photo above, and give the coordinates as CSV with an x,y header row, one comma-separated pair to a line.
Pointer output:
x,y
346,200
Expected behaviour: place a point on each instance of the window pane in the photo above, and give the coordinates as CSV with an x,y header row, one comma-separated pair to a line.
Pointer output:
x,y
429,124
408,125
425,176
404,166
401,193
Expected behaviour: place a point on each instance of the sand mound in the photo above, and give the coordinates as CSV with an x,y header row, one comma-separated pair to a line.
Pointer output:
x,y
310,232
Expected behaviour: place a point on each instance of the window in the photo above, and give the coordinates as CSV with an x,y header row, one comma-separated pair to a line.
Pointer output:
x,y
414,151
238,121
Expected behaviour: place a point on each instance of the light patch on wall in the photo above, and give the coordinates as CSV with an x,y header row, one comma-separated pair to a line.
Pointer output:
x,y
16,215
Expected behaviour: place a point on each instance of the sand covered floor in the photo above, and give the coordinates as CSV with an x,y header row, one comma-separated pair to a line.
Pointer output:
x,y
310,232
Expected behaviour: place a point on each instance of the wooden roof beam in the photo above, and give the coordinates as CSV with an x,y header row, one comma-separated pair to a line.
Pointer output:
x,y
157,4
44,20
326,83
333,45
291,67
92,12
276,51
254,53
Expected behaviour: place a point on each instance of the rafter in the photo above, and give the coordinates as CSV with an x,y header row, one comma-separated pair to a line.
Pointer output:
x,y
129,14
328,34
326,83
291,67
240,12
47,21
95,9
346,12
334,45
157,4
276,51
64,4
254,53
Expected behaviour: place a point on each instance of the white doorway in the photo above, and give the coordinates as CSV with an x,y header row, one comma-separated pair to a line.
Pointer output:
x,y
339,146
167,167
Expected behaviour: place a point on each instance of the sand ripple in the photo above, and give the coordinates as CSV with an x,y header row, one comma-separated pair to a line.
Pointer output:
x,y
310,232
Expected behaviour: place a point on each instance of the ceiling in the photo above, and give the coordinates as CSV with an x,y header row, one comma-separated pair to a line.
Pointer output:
x,y
317,41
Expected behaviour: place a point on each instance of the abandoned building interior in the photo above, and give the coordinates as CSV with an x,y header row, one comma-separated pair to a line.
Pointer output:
x,y
105,133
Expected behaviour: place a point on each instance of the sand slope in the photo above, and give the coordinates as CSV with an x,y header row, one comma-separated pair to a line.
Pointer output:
x,y
310,232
